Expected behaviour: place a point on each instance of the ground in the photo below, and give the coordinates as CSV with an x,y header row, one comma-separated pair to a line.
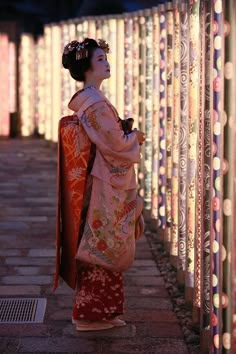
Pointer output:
x,y
27,238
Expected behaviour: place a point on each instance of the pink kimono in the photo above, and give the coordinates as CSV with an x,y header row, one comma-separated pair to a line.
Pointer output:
x,y
109,208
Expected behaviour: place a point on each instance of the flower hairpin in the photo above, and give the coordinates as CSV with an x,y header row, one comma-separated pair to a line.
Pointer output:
x,y
70,46
104,45
81,50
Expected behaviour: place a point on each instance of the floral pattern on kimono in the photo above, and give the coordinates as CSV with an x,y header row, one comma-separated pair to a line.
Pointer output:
x,y
99,294
111,206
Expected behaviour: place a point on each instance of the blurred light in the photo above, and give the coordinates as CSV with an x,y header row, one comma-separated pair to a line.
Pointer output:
x,y
12,77
4,85
27,84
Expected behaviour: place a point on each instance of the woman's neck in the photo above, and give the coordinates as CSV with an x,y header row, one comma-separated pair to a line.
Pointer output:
x,y
92,83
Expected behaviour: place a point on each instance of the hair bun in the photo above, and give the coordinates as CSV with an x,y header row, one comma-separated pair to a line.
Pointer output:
x,y
65,61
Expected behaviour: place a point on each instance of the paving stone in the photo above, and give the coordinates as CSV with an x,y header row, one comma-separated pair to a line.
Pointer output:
x,y
29,261
64,301
153,316
160,330
158,291
13,225
142,271
34,270
148,303
60,315
50,345
143,346
13,211
144,262
9,345
19,290
27,279
43,211
5,252
62,289
151,281
40,200
143,254
24,218
42,252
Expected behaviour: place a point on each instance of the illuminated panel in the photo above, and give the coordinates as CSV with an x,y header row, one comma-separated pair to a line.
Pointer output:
x,y
26,84
91,28
128,66
112,58
192,137
217,298
199,268
155,109
12,77
175,142
184,73
72,36
120,67
79,31
148,110
169,122
162,120
56,80
80,37
142,93
68,85
4,85
206,279
71,30
229,175
135,70
105,35
39,85
98,27
48,82
85,27
135,76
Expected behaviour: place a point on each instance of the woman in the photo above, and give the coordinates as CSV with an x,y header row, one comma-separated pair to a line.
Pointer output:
x,y
98,204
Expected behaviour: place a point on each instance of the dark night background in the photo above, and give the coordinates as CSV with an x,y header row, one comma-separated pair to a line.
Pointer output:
x,y
31,15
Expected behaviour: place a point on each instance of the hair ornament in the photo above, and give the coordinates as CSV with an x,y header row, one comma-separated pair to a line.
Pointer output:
x,y
81,48
104,45
70,46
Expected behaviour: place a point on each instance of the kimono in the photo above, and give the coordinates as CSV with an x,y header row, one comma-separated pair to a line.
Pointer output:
x,y
97,194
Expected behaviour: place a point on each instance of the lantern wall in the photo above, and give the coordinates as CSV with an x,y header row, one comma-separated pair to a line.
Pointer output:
x,y
173,69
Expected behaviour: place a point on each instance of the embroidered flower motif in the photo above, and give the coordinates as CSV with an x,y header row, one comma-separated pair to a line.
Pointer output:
x,y
110,243
97,224
92,121
101,246
75,173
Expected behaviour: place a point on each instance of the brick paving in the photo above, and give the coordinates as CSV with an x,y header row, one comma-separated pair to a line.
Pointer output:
x,y
27,238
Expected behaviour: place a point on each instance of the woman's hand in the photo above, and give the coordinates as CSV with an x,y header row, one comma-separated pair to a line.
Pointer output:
x,y
140,136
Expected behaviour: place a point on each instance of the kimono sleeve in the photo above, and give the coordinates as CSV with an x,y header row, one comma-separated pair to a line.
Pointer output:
x,y
104,130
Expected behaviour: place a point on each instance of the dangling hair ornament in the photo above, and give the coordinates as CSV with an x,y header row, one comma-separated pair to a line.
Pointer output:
x,y
81,50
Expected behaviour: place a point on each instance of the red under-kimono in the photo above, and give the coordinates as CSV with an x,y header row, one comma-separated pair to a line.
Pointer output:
x,y
94,153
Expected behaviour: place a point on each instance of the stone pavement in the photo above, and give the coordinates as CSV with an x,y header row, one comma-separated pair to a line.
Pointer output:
x,y
27,238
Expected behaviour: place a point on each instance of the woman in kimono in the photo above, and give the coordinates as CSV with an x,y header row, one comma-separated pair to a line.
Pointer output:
x,y
98,203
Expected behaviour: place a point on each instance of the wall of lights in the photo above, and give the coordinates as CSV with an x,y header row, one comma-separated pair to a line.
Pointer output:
x,y
4,86
173,70
27,84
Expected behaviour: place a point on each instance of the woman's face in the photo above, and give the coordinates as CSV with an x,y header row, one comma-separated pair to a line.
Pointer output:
x,y
100,68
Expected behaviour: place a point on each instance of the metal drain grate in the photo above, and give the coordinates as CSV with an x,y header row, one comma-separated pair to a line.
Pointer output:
x,y
22,310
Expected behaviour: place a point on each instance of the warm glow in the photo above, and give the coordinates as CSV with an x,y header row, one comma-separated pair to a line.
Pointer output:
x,y
4,85
56,80
27,84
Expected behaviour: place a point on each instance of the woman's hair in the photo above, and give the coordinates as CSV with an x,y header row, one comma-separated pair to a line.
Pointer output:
x,y
77,57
